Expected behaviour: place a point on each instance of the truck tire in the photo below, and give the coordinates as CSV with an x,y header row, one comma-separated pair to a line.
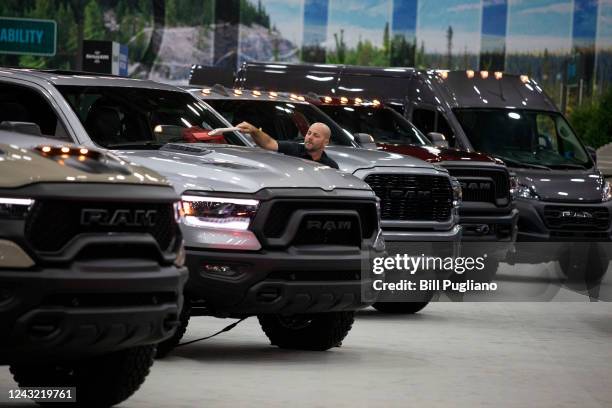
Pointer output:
x,y
165,347
318,332
404,307
101,381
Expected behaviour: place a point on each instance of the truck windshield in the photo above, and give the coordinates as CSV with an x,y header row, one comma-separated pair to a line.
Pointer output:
x,y
524,137
384,124
122,117
281,120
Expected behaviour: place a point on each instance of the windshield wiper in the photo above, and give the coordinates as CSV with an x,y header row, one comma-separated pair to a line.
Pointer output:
x,y
516,163
568,166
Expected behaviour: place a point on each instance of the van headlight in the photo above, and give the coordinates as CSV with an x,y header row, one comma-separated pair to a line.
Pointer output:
x,y
220,222
457,192
525,191
606,191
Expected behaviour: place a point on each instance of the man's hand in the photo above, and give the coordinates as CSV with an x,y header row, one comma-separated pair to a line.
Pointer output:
x,y
260,137
246,127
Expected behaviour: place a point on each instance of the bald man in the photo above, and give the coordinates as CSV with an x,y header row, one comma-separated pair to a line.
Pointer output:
x,y
313,148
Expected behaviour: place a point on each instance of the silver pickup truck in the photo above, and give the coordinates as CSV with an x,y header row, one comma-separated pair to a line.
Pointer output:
x,y
265,234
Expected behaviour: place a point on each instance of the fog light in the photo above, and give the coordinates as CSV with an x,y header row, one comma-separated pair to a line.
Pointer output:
x,y
12,256
228,271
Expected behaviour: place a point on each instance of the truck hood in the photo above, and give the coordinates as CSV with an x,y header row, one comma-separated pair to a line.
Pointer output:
x,y
434,154
22,164
351,159
563,185
212,167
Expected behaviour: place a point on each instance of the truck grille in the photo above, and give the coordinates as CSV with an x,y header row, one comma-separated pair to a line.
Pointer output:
x,y
329,230
482,185
281,212
52,224
576,218
406,197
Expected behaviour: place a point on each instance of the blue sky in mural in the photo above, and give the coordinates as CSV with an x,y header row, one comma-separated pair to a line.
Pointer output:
x,y
364,19
436,16
604,31
404,17
494,18
604,42
315,21
585,22
286,15
535,25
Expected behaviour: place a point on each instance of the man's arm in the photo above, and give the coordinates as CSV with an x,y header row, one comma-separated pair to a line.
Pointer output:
x,y
260,137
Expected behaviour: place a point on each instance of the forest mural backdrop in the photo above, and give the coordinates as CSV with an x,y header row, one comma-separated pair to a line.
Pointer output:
x,y
556,41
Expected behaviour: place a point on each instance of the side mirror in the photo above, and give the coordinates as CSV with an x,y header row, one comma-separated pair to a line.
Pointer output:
x,y
437,139
592,152
29,128
365,140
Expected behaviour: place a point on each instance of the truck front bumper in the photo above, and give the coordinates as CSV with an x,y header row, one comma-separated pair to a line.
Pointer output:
x,y
89,308
313,279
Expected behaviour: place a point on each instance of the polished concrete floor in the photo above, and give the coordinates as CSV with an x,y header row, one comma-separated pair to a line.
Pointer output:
x,y
481,354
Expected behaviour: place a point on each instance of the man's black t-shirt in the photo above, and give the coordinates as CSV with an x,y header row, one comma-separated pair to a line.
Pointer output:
x,y
298,150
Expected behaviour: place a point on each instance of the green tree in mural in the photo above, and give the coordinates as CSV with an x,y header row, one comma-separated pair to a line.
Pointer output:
x,y
121,9
593,121
402,52
546,66
42,9
340,55
449,47
420,59
171,13
93,22
250,14
386,41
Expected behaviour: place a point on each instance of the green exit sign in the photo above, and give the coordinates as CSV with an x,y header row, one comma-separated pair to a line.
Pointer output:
x,y
28,36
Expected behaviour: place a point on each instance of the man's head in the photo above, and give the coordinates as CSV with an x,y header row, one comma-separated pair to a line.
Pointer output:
x,y
317,137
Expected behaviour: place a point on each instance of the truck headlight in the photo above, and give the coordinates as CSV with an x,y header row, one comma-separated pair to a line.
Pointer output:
x,y
218,213
14,208
457,192
606,191
525,191
220,222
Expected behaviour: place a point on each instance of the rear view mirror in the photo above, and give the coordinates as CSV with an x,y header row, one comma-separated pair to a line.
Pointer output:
x,y
167,133
437,139
365,140
592,152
